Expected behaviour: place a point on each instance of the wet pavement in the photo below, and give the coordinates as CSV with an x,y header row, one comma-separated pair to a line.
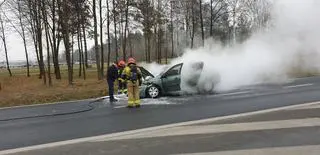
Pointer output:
x,y
35,125
262,134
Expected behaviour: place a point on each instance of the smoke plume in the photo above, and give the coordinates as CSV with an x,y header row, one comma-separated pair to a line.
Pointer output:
x,y
290,44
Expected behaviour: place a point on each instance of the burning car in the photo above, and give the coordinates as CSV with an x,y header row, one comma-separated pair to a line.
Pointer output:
x,y
169,82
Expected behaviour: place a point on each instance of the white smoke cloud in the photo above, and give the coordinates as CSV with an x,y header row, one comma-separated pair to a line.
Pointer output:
x,y
269,56
154,68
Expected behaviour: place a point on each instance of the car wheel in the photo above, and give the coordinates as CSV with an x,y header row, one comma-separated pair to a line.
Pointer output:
x,y
153,91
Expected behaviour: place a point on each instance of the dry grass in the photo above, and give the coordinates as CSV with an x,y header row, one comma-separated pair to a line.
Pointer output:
x,y
21,90
299,72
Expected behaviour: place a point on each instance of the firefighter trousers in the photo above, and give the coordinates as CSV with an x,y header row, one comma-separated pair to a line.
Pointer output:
x,y
133,93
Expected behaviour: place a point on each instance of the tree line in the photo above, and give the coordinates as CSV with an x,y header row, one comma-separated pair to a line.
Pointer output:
x,y
149,30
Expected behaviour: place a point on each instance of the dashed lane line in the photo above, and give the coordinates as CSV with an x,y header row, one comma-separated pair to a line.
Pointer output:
x,y
231,94
297,86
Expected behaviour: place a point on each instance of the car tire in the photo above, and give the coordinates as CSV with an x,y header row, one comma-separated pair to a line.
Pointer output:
x,y
153,91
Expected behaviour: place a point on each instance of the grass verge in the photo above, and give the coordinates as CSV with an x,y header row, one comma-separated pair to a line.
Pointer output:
x,y
22,90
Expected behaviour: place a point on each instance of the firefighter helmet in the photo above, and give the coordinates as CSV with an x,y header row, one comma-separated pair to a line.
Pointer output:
x,y
121,63
131,61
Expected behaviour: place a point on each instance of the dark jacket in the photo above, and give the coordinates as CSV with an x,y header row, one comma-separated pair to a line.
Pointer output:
x,y
112,73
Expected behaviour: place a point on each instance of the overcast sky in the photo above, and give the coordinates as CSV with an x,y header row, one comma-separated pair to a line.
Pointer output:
x,y
15,43
15,46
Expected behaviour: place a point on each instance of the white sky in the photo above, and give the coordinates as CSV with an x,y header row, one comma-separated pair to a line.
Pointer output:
x,y
15,44
16,50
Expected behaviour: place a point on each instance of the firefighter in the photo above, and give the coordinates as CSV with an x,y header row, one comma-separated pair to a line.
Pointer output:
x,y
121,82
112,76
133,76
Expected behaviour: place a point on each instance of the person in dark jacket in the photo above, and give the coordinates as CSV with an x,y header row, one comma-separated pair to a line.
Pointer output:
x,y
112,76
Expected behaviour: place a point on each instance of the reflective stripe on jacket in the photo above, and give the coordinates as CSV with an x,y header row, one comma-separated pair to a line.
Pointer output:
x,y
126,74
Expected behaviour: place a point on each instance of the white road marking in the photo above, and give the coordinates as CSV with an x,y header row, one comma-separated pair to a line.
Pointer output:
x,y
94,138
222,128
316,106
297,86
119,107
292,150
230,94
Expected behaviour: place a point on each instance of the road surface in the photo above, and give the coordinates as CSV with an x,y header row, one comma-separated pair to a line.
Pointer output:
x,y
28,126
259,133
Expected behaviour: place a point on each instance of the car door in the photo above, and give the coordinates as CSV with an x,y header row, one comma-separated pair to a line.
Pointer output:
x,y
172,78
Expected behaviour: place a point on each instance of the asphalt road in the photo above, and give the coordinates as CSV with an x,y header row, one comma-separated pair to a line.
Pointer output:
x,y
27,126
260,133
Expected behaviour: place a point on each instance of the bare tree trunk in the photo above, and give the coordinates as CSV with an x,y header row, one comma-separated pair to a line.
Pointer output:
x,y
201,22
72,53
234,22
120,35
155,41
166,47
33,30
146,46
79,42
35,42
5,46
160,45
55,51
66,38
83,66
101,39
48,57
159,32
79,51
40,46
131,45
211,18
177,38
187,20
26,52
82,56
172,30
60,38
96,44
149,48
108,31
85,45
67,48
115,29
125,31
193,24
47,41
24,38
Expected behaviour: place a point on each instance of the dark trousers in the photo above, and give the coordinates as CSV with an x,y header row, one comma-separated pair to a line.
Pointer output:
x,y
111,89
